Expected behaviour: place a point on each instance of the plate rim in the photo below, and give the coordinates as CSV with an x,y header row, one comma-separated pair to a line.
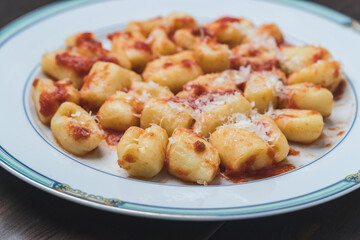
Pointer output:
x,y
20,170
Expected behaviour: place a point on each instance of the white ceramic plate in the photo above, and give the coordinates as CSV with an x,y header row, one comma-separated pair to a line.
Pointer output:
x,y
325,170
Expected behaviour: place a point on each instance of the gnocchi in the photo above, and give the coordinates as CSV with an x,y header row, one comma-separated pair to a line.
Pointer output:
x,y
325,73
307,96
104,80
141,152
303,126
166,113
48,96
173,71
222,100
135,48
120,111
241,150
191,158
211,56
262,90
75,130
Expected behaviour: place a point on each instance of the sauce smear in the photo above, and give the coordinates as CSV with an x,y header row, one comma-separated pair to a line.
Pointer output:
x,y
112,137
276,169
293,152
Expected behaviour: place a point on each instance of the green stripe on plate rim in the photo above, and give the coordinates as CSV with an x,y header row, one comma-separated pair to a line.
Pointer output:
x,y
37,14
45,181
26,171
49,183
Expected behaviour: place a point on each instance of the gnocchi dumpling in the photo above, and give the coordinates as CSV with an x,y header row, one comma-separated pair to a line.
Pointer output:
x,y
211,56
134,46
146,90
241,150
173,71
230,30
216,111
120,111
178,20
54,65
188,38
325,73
303,126
166,113
211,82
104,80
259,57
307,96
161,45
294,58
87,46
48,96
142,152
275,138
77,59
144,27
78,38
271,30
75,130
191,158
262,89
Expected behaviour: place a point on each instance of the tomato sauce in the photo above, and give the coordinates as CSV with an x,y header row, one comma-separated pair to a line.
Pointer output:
x,y
293,152
202,31
184,21
142,46
36,81
238,61
111,36
340,133
80,132
318,56
88,42
339,92
227,20
50,101
187,63
275,169
167,64
128,158
81,65
112,137
196,88
328,145
199,146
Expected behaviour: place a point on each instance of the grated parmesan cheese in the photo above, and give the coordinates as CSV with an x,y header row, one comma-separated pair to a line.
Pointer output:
x,y
76,114
252,124
208,102
176,107
144,97
202,182
171,140
258,40
240,76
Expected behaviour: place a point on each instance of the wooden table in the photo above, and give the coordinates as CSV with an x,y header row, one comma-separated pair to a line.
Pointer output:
x,y
26,212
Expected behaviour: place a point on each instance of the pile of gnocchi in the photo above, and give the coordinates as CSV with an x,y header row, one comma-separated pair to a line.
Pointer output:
x,y
198,100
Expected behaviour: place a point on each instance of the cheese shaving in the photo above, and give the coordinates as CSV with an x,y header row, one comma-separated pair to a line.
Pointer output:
x,y
240,76
206,103
252,124
76,114
171,140
202,182
177,107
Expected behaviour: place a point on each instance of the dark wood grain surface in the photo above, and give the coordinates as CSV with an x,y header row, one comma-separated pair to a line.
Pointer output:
x,y
29,213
